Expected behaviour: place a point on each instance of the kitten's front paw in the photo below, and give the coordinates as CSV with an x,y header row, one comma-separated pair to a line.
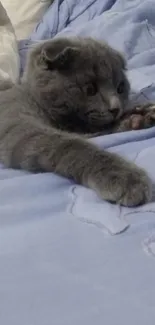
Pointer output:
x,y
136,188
143,117
126,186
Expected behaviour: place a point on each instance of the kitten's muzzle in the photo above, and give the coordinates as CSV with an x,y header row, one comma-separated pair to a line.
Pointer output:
x,y
115,106
115,111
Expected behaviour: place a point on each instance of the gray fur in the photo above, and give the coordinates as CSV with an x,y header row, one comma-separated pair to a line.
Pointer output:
x,y
70,88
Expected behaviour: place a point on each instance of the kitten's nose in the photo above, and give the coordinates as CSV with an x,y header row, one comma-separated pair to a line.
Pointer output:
x,y
114,111
114,106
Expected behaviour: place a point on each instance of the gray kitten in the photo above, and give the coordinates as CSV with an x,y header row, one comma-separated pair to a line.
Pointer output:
x,y
71,88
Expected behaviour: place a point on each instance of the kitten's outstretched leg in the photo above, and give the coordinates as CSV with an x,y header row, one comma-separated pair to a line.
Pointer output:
x,y
111,176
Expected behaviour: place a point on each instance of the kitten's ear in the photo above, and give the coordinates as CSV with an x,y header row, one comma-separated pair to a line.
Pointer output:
x,y
62,60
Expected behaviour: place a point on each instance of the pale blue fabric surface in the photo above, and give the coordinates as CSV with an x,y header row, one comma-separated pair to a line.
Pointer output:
x,y
60,263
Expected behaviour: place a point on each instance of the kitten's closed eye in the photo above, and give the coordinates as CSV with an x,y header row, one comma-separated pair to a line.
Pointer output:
x,y
121,87
91,89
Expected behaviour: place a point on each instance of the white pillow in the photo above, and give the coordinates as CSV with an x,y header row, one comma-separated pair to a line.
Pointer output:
x,y
9,57
25,14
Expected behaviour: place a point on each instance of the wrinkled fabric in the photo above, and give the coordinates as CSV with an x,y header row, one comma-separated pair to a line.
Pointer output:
x,y
9,56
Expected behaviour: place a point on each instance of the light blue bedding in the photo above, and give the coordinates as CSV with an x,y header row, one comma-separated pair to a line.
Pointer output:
x,y
68,258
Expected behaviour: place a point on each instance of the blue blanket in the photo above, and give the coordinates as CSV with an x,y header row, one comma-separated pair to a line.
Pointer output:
x,y
60,263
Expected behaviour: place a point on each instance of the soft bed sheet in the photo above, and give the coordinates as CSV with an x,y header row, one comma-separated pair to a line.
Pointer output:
x,y
9,56
68,257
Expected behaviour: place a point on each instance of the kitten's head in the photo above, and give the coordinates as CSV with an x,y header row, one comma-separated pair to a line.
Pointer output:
x,y
81,82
